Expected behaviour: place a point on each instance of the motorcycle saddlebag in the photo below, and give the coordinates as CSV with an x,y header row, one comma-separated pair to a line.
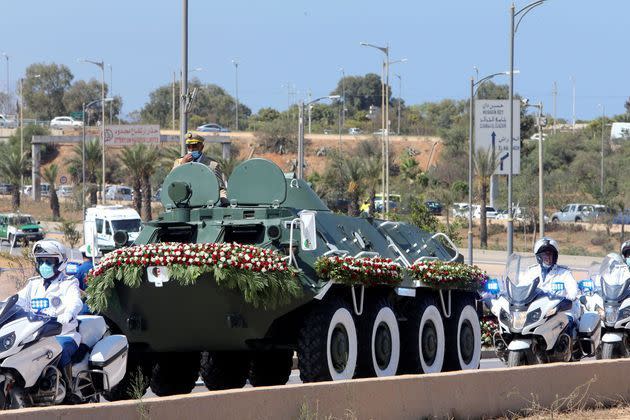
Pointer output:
x,y
110,356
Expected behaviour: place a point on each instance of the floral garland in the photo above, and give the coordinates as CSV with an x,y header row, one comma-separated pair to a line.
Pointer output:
x,y
261,275
488,327
365,271
449,275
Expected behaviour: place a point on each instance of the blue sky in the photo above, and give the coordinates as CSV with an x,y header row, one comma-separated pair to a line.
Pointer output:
x,y
304,43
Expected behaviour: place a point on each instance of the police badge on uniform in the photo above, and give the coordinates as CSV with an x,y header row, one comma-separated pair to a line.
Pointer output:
x,y
56,301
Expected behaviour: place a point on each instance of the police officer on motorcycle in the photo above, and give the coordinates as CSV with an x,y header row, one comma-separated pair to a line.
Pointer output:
x,y
63,295
625,252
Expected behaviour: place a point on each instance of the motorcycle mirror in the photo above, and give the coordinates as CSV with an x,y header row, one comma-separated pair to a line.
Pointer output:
x,y
583,300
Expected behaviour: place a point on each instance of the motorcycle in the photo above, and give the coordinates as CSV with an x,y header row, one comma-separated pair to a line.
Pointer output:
x,y
613,301
29,354
534,325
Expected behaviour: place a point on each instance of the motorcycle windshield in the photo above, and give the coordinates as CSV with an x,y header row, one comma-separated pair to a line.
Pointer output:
x,y
615,277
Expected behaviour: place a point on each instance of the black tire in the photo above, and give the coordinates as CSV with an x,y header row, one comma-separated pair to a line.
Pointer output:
x,y
132,384
554,220
224,370
174,373
422,337
517,358
327,343
463,336
578,219
271,367
609,351
379,341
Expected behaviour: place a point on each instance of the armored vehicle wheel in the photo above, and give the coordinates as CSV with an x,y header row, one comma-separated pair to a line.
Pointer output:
x,y
271,367
463,336
422,338
174,373
327,343
224,370
135,381
379,341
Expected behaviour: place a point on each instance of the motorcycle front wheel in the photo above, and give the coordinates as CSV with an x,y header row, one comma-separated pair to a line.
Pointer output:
x,y
610,351
517,358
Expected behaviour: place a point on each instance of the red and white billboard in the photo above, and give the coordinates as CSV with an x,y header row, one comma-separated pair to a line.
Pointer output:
x,y
132,134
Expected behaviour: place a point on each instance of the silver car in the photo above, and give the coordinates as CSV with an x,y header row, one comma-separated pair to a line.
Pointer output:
x,y
581,213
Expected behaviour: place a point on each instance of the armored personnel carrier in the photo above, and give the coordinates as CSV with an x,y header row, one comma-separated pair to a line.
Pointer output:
x,y
339,331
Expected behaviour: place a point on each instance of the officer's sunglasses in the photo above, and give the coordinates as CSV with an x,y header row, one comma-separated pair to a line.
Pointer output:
x,y
46,260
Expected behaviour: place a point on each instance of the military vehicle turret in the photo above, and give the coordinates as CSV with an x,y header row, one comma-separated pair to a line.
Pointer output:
x,y
339,331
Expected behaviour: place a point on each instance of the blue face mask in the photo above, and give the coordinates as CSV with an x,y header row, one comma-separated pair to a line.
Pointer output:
x,y
46,270
628,261
196,154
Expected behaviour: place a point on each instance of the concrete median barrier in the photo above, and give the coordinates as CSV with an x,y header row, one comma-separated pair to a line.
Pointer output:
x,y
470,394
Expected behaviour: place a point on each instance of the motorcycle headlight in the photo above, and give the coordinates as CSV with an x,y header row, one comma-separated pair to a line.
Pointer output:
x,y
518,319
7,341
611,313
533,316
624,313
600,311
505,317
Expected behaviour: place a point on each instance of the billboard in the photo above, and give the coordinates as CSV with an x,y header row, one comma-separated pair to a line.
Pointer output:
x,y
132,134
492,121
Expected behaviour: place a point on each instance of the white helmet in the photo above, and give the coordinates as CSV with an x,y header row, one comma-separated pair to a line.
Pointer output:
x,y
625,249
87,251
48,248
546,244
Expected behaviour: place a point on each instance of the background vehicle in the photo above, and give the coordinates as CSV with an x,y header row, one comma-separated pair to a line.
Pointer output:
x,y
491,213
65,122
29,375
434,207
583,213
460,210
380,132
114,226
212,128
19,227
354,131
336,332
622,218
534,325
394,202
6,122
119,193
65,191
6,189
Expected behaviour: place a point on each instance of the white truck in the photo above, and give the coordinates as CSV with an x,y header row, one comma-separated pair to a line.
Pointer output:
x,y
109,227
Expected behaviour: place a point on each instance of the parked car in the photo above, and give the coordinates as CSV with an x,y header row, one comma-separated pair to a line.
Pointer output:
x,y
65,122
212,128
354,131
460,210
6,122
582,213
65,191
622,218
6,189
491,213
434,207
118,193
19,227
380,132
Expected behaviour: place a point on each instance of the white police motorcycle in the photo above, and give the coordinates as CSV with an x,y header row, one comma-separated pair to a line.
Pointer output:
x,y
29,354
533,324
612,301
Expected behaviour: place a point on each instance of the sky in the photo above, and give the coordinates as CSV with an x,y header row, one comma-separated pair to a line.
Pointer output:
x,y
286,48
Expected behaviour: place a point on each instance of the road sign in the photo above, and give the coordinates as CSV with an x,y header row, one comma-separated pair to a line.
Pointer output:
x,y
492,121
63,179
77,115
131,134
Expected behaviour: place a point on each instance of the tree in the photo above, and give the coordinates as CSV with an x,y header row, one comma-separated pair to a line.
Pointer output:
x,y
13,166
82,92
360,92
50,176
485,164
44,88
93,166
159,108
148,168
133,160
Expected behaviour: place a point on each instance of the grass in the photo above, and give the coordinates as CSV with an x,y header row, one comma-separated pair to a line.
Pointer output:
x,y
308,413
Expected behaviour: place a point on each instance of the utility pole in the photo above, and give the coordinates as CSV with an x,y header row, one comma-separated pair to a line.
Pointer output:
x,y
573,103
235,62
183,102
173,102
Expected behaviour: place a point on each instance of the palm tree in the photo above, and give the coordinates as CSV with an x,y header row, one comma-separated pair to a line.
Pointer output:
x,y
150,156
93,166
485,164
133,158
13,166
50,176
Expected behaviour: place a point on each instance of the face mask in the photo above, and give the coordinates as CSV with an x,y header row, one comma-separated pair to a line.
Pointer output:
x,y
196,154
46,270
628,261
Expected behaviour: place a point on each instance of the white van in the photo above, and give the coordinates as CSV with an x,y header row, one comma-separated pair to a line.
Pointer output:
x,y
118,193
107,221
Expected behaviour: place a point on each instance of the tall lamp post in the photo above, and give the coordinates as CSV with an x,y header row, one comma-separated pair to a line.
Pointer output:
x,y
300,157
541,203
101,64
87,106
235,62
474,84
513,28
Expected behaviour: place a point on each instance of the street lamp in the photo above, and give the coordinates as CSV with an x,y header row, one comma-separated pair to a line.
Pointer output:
x,y
22,123
101,64
473,93
601,178
235,62
513,28
541,204
86,106
111,90
300,157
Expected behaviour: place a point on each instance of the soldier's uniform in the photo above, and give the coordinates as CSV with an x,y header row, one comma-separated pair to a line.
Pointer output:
x,y
205,160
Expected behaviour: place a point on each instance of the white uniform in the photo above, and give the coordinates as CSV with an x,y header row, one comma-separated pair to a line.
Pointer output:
x,y
63,294
559,274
